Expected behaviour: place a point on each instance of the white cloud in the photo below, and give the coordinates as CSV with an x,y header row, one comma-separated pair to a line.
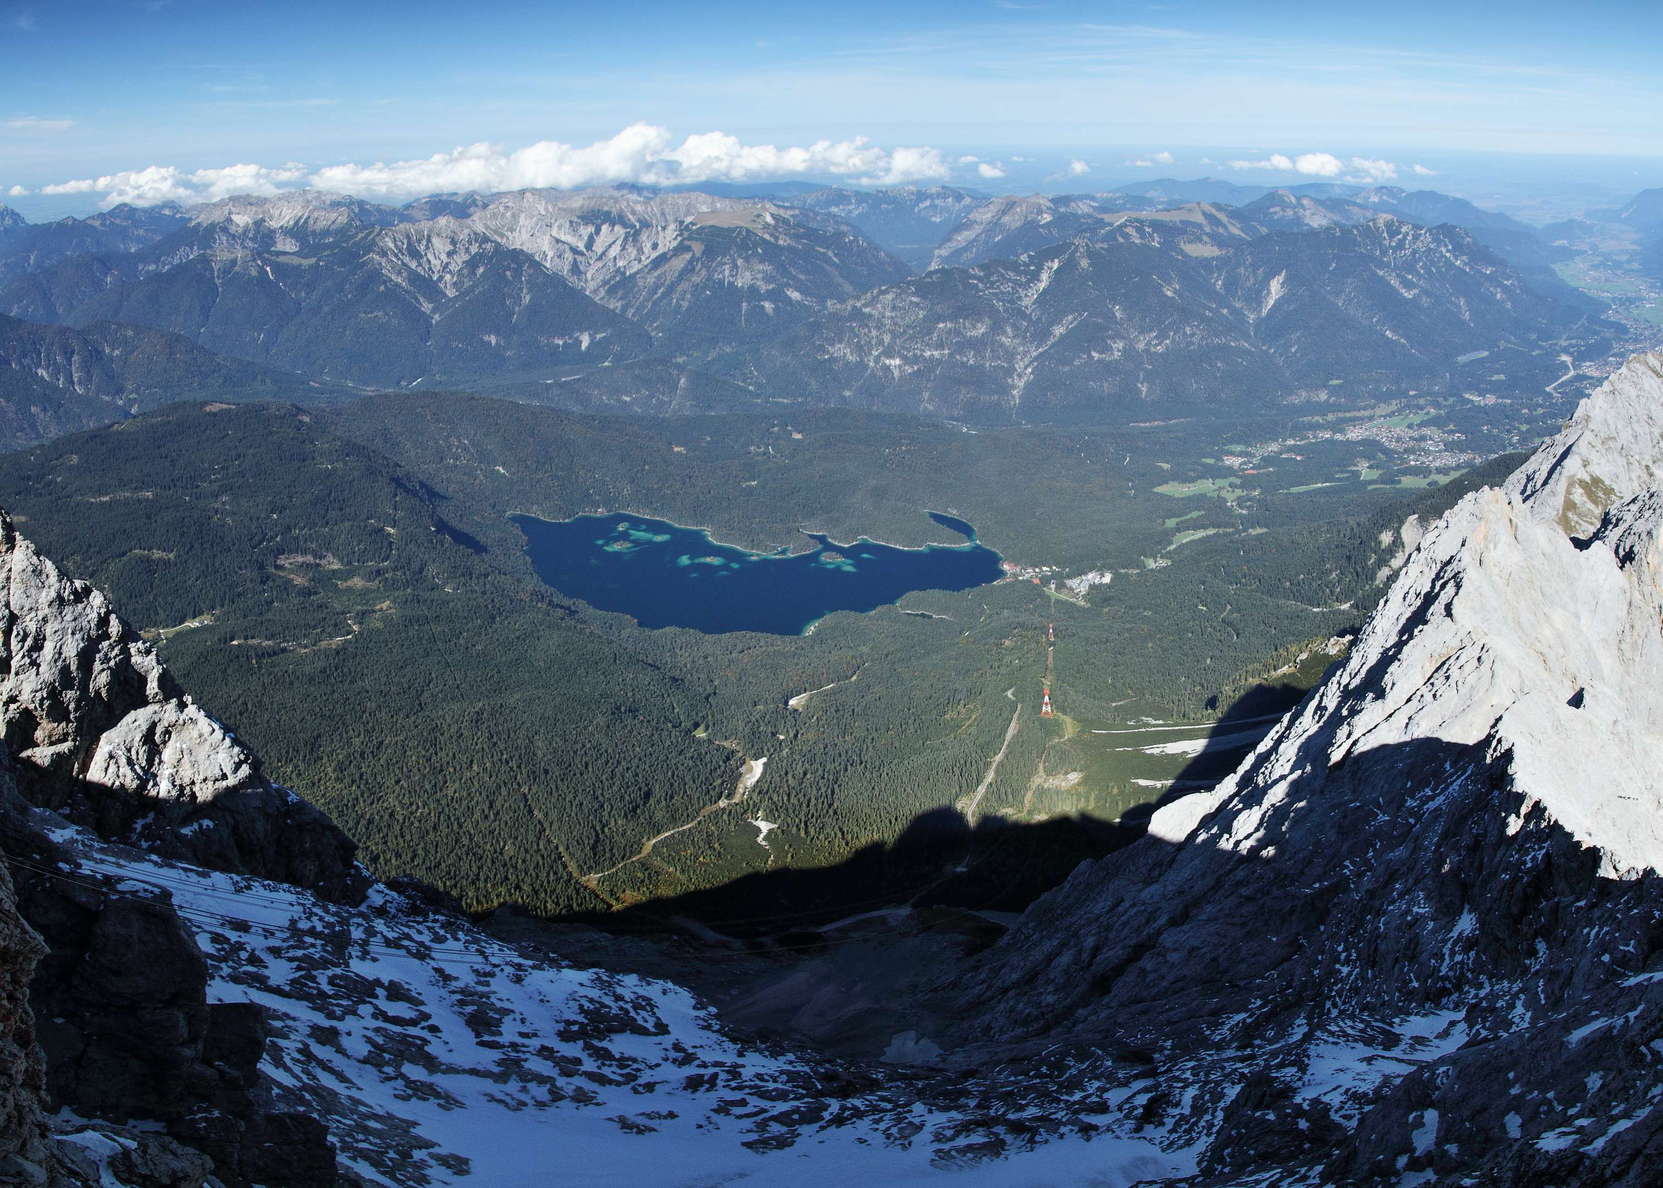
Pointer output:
x,y
911,164
967,159
1275,161
1152,160
37,124
640,153
16,192
1362,169
164,183
990,171
1318,164
1371,170
85,185
1078,168
1420,170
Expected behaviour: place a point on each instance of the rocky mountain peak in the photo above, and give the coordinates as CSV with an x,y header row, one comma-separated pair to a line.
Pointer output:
x,y
102,732
1524,623
300,210
1609,452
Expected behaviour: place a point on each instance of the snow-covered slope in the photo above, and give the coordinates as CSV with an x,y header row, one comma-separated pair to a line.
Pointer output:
x,y
440,1055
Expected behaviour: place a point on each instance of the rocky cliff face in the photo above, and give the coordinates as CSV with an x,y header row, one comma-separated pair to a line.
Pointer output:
x,y
1451,853
689,263
101,732
126,1035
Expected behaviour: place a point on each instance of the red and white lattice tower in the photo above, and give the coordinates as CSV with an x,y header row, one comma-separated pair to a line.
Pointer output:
x,y
1045,704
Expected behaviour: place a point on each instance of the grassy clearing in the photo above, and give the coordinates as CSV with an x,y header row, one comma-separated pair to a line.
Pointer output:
x,y
1224,488
1418,482
1183,538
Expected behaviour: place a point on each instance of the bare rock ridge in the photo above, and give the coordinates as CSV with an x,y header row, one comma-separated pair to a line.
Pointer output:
x,y
101,732
1462,826
1067,308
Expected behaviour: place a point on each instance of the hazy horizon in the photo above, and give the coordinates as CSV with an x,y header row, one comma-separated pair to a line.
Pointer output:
x,y
157,100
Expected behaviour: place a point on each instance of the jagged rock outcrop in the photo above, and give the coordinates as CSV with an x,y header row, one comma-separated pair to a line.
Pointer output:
x,y
126,1033
102,732
1461,828
104,993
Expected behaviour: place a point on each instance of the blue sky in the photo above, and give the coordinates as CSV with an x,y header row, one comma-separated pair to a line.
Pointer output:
x,y
1023,86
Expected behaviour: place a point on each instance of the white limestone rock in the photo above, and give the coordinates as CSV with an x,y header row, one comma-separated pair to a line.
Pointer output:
x,y
174,751
70,669
1528,620
102,732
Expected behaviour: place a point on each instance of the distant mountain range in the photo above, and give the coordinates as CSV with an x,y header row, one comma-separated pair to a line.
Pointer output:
x,y
1186,310
28,247
1644,213
55,380
634,299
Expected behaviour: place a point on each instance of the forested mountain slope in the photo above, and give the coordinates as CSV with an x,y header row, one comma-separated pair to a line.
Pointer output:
x,y
391,581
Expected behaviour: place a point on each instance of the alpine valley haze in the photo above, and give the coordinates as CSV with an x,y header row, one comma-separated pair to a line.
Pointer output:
x,y
985,594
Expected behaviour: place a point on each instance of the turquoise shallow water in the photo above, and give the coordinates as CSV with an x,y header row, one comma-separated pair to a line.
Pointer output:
x,y
665,575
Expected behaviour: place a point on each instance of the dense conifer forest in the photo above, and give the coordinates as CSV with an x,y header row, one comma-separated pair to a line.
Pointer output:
x,y
345,589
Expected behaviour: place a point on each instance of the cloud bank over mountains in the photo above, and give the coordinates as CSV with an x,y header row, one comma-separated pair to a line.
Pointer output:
x,y
644,153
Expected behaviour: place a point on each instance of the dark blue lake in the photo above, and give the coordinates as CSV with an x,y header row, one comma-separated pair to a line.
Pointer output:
x,y
664,575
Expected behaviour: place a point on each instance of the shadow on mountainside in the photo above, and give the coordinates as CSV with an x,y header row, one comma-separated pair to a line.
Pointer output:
x,y
940,860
